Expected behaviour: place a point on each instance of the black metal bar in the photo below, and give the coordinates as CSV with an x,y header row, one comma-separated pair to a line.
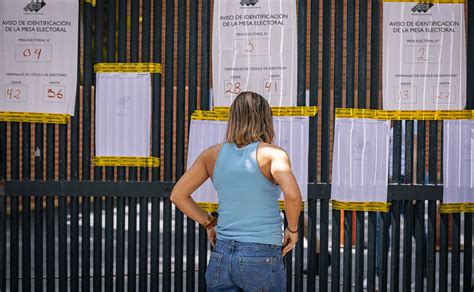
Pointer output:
x,y
336,248
470,56
299,250
122,32
192,105
323,253
97,244
455,253
313,91
350,53
3,153
432,179
3,243
312,244
288,259
26,202
301,74
109,244
50,211
143,246
326,63
467,281
180,124
132,245
362,66
62,212
74,244
202,259
86,244
205,52
167,244
14,219
395,246
420,208
155,244
156,88
359,253
38,217
443,256
371,250
374,53
111,29
407,232
383,274
347,267
338,48
120,246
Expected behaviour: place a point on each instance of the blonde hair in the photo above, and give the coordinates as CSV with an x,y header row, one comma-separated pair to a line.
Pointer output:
x,y
250,120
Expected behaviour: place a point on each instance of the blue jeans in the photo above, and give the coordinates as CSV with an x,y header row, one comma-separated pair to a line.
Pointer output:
x,y
241,266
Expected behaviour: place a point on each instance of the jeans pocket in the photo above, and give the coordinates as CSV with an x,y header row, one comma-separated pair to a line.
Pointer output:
x,y
212,272
258,273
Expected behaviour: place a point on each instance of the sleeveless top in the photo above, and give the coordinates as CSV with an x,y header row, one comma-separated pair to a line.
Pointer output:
x,y
248,201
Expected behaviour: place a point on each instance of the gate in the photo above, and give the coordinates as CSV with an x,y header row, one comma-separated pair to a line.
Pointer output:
x,y
67,225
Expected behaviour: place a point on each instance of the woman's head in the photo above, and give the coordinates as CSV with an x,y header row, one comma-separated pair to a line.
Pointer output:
x,y
250,120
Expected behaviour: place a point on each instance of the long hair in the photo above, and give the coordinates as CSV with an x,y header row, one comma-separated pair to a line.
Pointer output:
x,y
250,120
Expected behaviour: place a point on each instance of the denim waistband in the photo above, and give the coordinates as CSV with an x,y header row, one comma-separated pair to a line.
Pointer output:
x,y
237,245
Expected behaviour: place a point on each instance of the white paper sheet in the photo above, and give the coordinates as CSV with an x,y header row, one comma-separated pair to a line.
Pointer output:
x,y
458,161
254,49
38,56
123,114
360,160
424,56
291,134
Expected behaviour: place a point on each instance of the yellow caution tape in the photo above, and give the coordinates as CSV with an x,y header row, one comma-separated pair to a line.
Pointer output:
x,y
456,208
45,118
428,1
210,115
285,111
126,161
90,1
127,67
361,206
213,207
404,115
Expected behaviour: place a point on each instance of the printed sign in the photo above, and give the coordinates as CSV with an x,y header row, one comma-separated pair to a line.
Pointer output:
x,y
291,134
123,114
38,55
458,161
254,49
360,160
424,55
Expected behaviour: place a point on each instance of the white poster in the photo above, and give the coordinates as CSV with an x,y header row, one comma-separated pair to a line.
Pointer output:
x,y
360,160
458,161
291,134
123,114
254,49
424,55
38,55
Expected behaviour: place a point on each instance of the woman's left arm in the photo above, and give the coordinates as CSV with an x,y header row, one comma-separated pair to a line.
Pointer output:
x,y
187,184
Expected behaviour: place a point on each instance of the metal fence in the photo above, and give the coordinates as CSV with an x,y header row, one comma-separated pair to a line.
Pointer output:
x,y
66,225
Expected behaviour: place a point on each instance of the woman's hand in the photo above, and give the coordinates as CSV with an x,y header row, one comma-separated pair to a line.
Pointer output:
x,y
211,234
289,241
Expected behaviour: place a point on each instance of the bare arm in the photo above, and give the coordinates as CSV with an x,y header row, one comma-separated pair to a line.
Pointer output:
x,y
281,172
187,184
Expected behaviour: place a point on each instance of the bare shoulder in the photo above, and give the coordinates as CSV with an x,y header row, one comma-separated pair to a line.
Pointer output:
x,y
272,151
210,154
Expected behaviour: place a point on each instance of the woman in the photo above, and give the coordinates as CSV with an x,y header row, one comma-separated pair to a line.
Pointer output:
x,y
248,172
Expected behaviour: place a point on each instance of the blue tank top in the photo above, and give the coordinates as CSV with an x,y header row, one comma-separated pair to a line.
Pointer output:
x,y
248,201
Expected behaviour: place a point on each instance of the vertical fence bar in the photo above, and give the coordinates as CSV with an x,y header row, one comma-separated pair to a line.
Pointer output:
x,y
359,255
143,236
288,265
50,212
313,151
420,257
109,201
467,270
362,52
3,243
86,142
443,256
14,219
432,175
408,214
205,64
336,248
62,212
325,142
168,163
156,145
38,219
301,100
347,267
180,119
97,231
26,200
74,169
192,105
455,253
